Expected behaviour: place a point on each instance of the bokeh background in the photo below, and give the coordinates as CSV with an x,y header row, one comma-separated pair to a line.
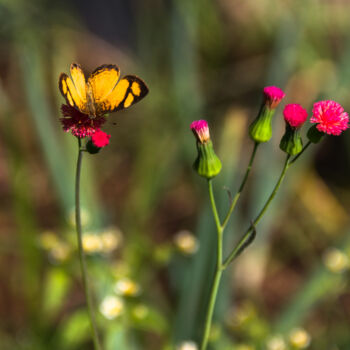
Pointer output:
x,y
149,233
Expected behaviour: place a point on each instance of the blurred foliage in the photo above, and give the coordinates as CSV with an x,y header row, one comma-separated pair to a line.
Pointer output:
x,y
201,59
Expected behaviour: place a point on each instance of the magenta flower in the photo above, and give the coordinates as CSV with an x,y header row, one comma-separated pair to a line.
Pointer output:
x,y
100,138
330,117
79,124
273,96
201,130
294,115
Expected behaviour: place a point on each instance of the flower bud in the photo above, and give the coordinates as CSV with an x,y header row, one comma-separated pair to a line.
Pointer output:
x,y
294,116
314,135
260,130
207,163
98,140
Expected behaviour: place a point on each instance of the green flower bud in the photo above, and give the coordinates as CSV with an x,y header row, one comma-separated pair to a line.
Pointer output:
x,y
91,148
207,163
314,135
291,141
261,130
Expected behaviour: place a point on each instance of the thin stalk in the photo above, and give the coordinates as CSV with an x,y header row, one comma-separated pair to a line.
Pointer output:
x,y
298,155
247,234
218,271
241,187
81,251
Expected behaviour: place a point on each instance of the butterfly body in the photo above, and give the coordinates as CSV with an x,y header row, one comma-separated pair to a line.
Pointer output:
x,y
102,92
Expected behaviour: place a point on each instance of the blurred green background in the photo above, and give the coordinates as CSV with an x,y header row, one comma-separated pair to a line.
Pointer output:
x,y
149,231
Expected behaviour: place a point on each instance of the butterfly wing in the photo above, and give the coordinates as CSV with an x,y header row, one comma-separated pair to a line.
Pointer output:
x,y
74,90
102,81
128,91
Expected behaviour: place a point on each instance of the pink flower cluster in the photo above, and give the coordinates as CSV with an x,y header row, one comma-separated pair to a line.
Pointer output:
x,y
81,125
100,138
273,96
201,130
294,115
330,117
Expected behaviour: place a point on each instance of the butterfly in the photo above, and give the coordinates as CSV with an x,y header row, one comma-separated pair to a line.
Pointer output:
x,y
101,93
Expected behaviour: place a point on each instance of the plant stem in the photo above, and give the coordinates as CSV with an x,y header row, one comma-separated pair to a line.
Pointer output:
x,y
247,234
241,187
298,155
218,271
81,251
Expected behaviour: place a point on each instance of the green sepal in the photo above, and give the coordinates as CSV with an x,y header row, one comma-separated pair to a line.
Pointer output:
x,y
207,163
291,141
314,135
261,130
91,148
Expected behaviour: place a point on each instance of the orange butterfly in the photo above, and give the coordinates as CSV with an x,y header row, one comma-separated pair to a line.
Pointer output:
x,y
101,93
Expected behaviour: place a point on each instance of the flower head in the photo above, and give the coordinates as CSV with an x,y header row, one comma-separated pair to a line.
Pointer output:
x,y
79,124
100,138
201,130
273,96
127,287
299,338
186,242
207,163
111,307
294,115
187,345
330,117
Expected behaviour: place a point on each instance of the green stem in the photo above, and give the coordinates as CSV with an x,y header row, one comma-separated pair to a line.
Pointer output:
x,y
298,155
241,187
81,251
218,271
247,234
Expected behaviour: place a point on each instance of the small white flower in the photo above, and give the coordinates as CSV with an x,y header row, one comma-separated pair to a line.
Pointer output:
x,y
335,260
276,343
111,307
187,345
186,242
299,338
111,238
127,287
92,243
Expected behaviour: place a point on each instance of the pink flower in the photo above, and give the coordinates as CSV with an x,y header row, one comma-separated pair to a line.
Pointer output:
x,y
100,138
330,117
201,130
295,115
273,96
79,124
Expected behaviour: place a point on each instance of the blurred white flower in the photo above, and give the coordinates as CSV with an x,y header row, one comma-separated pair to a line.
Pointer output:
x,y
276,343
187,345
60,252
186,242
111,238
92,243
127,287
335,260
111,307
299,338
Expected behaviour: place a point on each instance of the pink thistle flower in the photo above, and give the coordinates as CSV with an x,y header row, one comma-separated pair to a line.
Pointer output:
x,y
273,96
294,115
100,138
79,124
201,130
330,117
